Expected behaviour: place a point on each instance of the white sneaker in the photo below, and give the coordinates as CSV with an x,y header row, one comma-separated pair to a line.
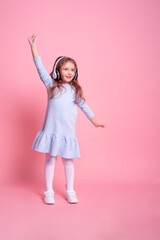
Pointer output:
x,y
71,197
49,197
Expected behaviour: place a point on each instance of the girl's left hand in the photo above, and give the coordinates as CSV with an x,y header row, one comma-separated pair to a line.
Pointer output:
x,y
96,123
99,125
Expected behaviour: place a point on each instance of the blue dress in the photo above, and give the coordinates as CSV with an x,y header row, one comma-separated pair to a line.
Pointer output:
x,y
57,135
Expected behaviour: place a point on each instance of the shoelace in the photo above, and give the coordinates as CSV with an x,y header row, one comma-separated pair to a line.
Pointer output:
x,y
71,194
49,194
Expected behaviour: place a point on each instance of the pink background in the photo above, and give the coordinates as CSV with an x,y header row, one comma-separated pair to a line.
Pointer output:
x,y
116,47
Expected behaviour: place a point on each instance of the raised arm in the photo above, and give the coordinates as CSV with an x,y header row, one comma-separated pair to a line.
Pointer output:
x,y
33,43
43,74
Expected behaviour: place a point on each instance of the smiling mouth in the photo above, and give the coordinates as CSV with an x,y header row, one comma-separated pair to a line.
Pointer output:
x,y
68,77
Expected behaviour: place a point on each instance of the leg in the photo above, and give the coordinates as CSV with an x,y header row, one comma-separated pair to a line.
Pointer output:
x,y
49,171
69,173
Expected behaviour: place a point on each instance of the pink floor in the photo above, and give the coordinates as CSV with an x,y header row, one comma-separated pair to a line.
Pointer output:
x,y
105,211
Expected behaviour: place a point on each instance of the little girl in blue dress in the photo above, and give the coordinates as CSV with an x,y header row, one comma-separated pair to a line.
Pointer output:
x,y
57,135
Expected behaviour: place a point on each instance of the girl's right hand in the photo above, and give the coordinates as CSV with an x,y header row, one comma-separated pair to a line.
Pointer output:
x,y
33,40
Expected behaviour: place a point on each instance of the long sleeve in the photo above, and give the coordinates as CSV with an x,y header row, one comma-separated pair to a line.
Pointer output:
x,y
43,74
86,109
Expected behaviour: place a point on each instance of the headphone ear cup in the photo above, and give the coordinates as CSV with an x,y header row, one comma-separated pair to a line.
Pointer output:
x,y
54,75
76,75
58,75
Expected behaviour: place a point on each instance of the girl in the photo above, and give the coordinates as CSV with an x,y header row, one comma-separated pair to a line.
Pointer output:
x,y
57,136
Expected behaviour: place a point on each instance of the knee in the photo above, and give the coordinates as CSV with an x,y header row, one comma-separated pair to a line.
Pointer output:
x,y
67,162
50,160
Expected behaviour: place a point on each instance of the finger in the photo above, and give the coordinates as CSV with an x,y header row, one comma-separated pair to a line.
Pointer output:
x,y
102,125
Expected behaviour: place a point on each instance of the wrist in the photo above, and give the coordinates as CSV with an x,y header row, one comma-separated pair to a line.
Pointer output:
x,y
33,46
93,120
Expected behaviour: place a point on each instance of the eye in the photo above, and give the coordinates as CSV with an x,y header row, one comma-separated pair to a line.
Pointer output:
x,y
71,69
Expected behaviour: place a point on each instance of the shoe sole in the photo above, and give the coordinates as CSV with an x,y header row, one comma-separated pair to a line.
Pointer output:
x,y
49,203
71,202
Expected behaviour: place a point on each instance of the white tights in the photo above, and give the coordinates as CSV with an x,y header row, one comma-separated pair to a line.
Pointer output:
x,y
49,172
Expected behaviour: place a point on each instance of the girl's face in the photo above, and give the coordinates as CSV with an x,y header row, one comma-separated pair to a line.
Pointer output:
x,y
67,71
